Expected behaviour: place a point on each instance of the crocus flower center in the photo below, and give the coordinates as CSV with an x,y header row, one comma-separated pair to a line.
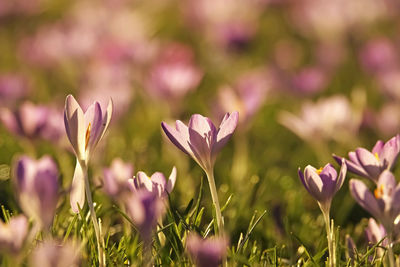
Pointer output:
x,y
87,137
319,170
378,192
377,156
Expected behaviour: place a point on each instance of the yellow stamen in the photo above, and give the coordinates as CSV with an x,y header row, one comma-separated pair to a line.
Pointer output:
x,y
319,170
377,156
378,192
87,137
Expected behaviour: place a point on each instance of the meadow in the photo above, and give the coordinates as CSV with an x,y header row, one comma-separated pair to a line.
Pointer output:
x,y
199,133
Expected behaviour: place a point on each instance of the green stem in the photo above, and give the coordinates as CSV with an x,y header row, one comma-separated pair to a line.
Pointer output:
x,y
214,196
330,236
100,241
390,251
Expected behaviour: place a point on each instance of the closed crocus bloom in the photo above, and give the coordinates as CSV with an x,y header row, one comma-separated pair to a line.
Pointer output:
x,y
29,120
201,139
145,209
54,254
84,131
371,164
13,234
156,183
384,203
206,252
37,188
323,183
116,178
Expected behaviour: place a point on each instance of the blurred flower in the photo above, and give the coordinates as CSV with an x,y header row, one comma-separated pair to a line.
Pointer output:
x,y
37,188
55,254
145,209
376,232
387,120
372,164
206,252
19,7
156,184
116,178
84,131
229,24
247,95
351,248
389,83
29,120
384,204
54,129
379,55
323,183
13,86
201,139
13,234
174,73
329,118
309,80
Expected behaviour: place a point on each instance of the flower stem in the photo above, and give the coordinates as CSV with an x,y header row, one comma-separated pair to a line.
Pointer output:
x,y
330,236
214,196
390,251
100,241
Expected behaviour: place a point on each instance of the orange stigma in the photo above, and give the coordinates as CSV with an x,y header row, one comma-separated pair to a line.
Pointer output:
x,y
87,136
378,192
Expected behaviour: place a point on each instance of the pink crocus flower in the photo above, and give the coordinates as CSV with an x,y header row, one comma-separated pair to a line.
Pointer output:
x,y
116,177
156,183
84,131
206,252
13,234
201,139
37,187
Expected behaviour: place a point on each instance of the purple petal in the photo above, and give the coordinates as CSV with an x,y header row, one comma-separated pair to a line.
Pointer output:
x,y
77,195
378,147
93,117
314,183
178,136
369,162
106,119
390,151
75,125
144,181
342,176
364,198
225,131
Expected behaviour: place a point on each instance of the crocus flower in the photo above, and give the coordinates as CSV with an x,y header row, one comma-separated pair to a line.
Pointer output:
x,y
13,234
156,183
13,86
206,252
375,232
54,254
201,139
37,188
116,178
84,131
351,248
323,183
384,203
371,164
145,209
29,120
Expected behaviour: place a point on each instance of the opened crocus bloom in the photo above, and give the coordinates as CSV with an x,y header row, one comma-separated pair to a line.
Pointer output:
x,y
323,183
84,130
384,203
371,164
201,139
37,188
156,183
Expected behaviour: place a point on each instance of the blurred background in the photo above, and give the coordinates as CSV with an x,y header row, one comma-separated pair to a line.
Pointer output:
x,y
308,77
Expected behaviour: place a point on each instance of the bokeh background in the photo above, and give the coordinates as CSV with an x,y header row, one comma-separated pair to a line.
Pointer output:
x,y
308,77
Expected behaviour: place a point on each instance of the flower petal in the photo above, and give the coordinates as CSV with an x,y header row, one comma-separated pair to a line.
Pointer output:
x,y
171,180
178,136
364,198
342,176
75,126
144,181
369,162
93,117
390,151
314,183
225,131
77,195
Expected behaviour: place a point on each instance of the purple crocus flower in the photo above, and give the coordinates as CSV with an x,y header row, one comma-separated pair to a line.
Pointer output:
x,y
156,183
84,131
206,252
323,183
29,120
145,209
371,164
37,188
116,178
54,254
201,139
384,203
375,232
13,234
